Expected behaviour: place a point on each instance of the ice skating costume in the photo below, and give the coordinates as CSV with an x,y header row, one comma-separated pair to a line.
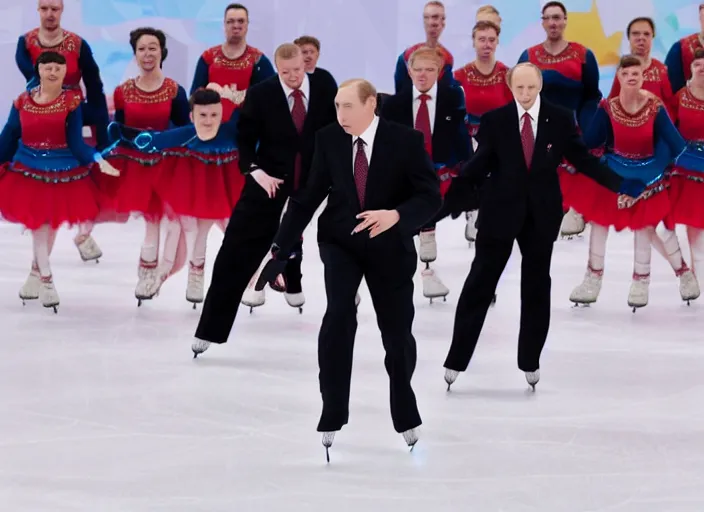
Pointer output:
x,y
45,177
80,64
401,78
638,146
199,179
140,170
246,70
687,185
482,92
655,80
679,60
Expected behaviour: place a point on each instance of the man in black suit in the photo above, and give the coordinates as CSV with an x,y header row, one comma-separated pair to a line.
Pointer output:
x,y
438,112
521,145
378,195
276,136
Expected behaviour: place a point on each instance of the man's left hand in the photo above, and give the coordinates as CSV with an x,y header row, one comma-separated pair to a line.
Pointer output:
x,y
376,221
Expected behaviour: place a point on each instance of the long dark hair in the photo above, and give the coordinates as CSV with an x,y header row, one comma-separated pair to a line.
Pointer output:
x,y
137,33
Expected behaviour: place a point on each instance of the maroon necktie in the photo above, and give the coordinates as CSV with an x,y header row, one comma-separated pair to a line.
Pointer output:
x,y
361,170
423,124
527,139
298,113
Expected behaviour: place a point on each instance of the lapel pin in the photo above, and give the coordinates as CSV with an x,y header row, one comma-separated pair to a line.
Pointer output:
x,y
448,118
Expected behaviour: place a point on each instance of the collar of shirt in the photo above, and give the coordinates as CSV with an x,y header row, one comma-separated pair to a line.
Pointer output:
x,y
305,89
532,111
369,133
433,93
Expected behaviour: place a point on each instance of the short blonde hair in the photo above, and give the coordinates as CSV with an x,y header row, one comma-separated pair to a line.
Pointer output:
x,y
436,3
427,53
535,68
287,51
488,9
365,89
485,25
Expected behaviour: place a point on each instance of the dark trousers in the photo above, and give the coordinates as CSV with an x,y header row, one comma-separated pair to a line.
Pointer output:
x,y
247,241
389,272
489,262
440,215
292,272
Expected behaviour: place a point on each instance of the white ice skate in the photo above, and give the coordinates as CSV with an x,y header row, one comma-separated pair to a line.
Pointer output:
x,y
30,288
428,251
470,230
199,346
433,287
411,437
588,291
532,378
149,281
451,377
572,224
88,249
195,291
638,294
689,286
48,295
295,300
252,298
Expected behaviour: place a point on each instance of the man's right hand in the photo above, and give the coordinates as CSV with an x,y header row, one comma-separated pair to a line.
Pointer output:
x,y
269,184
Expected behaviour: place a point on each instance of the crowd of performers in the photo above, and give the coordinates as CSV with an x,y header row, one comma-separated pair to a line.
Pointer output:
x,y
172,159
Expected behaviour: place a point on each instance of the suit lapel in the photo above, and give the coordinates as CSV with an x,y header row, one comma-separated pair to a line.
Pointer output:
x,y
312,103
540,141
379,159
515,129
346,166
437,123
282,104
407,108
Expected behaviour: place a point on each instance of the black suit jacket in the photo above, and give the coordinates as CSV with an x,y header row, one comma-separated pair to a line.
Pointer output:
x,y
512,192
451,143
400,179
266,135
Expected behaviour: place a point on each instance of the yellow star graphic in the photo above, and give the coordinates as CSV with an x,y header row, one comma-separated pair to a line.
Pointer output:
x,y
586,28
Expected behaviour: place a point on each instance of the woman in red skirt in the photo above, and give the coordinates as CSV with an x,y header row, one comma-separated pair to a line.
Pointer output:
x,y
151,101
45,177
640,141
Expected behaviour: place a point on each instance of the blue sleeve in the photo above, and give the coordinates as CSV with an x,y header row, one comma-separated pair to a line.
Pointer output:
x,y
74,138
95,95
665,132
229,128
10,136
262,70
155,141
591,95
464,144
447,77
180,109
523,57
23,60
401,78
598,130
200,77
675,71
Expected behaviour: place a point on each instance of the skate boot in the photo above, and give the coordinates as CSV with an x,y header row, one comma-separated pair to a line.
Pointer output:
x,y
638,294
433,287
532,378
588,291
411,437
428,251
48,295
251,297
451,377
199,346
572,224
30,288
149,281
689,286
294,289
195,291
88,248
470,230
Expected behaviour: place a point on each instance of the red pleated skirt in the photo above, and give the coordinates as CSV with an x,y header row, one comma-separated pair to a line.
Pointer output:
x,y
599,205
686,199
134,192
204,186
32,198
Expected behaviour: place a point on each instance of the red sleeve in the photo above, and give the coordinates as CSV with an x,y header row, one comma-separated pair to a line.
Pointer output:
x,y
117,98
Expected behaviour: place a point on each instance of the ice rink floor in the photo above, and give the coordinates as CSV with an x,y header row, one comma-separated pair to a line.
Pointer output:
x,y
102,407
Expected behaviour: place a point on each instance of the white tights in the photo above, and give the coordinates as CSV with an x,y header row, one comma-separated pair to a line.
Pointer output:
x,y
668,246
642,249
42,244
696,246
197,231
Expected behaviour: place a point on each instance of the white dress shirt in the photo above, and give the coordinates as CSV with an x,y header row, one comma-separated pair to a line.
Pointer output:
x,y
305,89
533,113
432,102
368,138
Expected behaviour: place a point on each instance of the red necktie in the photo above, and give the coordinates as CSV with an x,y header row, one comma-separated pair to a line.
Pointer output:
x,y
361,170
423,124
527,139
298,113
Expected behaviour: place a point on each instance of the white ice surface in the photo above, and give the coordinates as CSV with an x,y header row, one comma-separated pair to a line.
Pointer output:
x,y
102,407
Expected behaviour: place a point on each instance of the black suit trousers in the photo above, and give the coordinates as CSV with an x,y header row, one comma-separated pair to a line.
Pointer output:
x,y
490,259
248,238
389,271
